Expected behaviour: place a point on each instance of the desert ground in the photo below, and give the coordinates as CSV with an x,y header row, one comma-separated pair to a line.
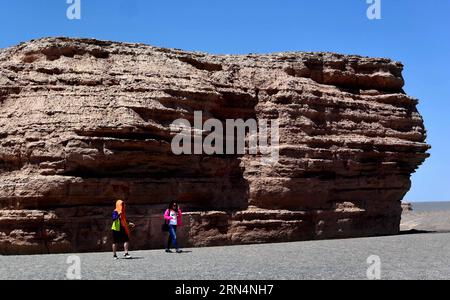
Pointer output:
x,y
421,251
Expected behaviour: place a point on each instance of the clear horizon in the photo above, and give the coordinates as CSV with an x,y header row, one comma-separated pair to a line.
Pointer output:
x,y
411,31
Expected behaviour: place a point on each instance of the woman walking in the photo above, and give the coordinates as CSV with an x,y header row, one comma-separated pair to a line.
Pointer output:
x,y
120,229
172,216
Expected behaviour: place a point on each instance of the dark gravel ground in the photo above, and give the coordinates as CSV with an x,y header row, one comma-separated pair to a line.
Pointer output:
x,y
408,256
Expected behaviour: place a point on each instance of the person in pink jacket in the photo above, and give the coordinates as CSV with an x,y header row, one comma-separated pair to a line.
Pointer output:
x,y
172,216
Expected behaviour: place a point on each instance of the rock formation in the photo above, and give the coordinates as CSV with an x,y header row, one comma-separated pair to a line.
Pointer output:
x,y
406,207
84,122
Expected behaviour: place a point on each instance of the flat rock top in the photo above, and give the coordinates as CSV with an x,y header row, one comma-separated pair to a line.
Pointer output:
x,y
95,45
98,55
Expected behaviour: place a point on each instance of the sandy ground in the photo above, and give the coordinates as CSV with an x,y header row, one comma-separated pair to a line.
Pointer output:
x,y
422,254
427,217
407,256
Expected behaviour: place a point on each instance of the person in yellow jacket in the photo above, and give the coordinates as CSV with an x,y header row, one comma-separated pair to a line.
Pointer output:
x,y
120,229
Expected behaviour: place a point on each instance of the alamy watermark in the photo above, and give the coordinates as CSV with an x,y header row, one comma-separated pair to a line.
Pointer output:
x,y
252,137
74,269
74,10
374,269
374,9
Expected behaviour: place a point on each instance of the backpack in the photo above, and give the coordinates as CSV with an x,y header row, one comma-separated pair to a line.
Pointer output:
x,y
116,224
165,226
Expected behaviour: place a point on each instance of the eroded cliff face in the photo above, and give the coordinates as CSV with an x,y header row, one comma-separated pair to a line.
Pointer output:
x,y
85,122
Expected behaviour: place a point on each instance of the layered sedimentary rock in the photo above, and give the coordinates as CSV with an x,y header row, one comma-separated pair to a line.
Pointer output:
x,y
85,122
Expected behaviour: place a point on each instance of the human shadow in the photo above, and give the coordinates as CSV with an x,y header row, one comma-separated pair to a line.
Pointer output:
x,y
185,251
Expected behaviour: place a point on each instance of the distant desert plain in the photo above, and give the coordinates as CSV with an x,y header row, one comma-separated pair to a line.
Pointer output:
x,y
426,217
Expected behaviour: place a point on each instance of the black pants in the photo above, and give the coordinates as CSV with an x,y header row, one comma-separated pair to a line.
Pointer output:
x,y
119,236
172,237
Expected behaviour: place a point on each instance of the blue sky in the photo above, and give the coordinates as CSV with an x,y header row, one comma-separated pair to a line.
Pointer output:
x,y
415,32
